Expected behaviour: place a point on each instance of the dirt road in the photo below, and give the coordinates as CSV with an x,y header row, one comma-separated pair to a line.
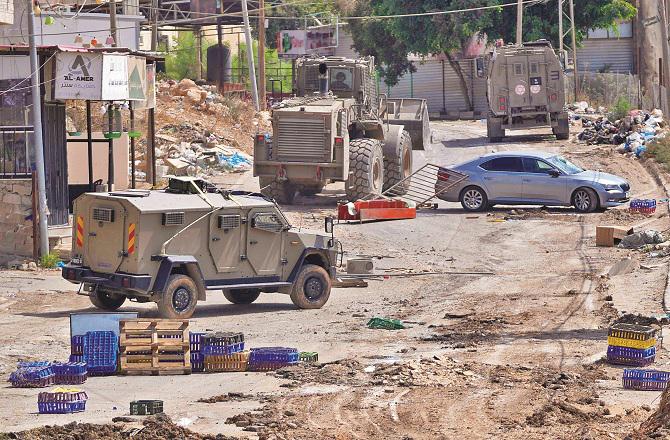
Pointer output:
x,y
511,355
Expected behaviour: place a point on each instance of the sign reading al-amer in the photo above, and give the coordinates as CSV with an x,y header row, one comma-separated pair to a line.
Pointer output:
x,y
91,76
78,76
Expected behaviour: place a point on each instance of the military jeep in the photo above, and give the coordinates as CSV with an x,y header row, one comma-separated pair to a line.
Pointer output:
x,y
173,246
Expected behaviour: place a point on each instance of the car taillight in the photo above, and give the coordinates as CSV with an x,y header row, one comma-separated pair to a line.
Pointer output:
x,y
125,282
553,97
442,175
339,141
260,137
502,103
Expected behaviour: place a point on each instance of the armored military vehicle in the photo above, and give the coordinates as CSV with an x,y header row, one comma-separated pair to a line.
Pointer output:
x,y
173,246
337,128
526,90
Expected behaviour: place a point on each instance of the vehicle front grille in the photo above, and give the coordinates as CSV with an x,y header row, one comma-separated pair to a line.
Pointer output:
x,y
301,140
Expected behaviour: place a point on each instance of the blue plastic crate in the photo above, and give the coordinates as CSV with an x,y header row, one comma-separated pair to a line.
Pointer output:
x,y
32,377
61,402
77,344
630,356
222,349
272,358
77,358
194,340
69,368
197,362
100,352
647,380
33,364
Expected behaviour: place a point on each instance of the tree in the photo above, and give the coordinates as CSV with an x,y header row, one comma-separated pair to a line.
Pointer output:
x,y
181,62
446,34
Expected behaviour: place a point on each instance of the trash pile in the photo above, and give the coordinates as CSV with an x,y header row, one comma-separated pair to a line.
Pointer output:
x,y
631,134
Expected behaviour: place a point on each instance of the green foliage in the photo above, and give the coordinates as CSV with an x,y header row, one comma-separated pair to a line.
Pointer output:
x,y
660,150
274,68
620,109
50,260
391,40
181,61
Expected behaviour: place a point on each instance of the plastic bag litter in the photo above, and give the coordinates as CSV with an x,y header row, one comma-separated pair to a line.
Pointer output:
x,y
234,162
639,239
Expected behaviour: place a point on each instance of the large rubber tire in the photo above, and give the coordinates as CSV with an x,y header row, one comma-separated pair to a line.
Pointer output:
x,y
310,190
494,129
179,298
283,192
366,168
311,289
474,199
562,131
399,165
585,200
242,296
108,301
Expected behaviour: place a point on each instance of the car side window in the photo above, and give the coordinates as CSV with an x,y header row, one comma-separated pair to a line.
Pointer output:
x,y
531,165
509,164
267,221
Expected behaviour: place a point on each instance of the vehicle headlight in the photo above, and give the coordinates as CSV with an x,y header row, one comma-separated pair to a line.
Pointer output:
x,y
612,187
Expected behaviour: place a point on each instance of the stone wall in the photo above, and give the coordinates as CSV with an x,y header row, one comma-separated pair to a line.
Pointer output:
x,y
16,226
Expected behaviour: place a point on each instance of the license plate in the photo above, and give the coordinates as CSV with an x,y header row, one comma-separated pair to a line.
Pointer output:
x,y
76,261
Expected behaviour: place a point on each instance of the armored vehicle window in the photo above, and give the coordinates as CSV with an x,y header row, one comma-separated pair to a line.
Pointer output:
x,y
518,69
341,78
533,68
267,221
229,221
103,214
312,77
509,164
173,218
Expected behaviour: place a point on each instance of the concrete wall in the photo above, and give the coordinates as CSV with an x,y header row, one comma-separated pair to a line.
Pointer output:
x,y
16,233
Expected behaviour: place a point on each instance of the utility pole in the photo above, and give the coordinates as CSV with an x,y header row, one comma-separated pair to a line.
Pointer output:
x,y
250,54
154,25
574,47
261,54
519,22
220,79
198,53
560,28
112,22
37,135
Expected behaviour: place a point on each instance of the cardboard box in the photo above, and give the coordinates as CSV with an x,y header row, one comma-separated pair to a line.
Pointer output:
x,y
610,236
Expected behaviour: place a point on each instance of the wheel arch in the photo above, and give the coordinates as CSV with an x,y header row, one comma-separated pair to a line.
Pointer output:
x,y
474,185
595,191
315,256
183,265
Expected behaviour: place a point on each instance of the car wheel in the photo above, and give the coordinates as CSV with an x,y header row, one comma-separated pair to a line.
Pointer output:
x,y
474,199
311,289
105,300
242,296
585,200
179,298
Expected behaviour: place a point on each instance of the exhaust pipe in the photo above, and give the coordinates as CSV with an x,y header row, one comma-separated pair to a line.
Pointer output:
x,y
323,79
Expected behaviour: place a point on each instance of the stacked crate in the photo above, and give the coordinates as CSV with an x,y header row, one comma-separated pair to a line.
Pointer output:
x,y
631,344
157,347
224,351
197,359
100,350
70,373
272,358
32,375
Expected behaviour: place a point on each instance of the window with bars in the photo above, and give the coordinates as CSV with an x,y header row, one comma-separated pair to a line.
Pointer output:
x,y
267,221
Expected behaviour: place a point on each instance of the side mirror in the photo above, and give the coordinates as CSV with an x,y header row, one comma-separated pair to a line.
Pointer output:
x,y
554,173
329,225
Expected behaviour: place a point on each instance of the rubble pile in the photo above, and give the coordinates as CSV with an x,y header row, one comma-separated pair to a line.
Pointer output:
x,y
630,134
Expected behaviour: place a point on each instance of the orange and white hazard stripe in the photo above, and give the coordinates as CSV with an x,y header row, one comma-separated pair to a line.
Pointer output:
x,y
131,238
80,231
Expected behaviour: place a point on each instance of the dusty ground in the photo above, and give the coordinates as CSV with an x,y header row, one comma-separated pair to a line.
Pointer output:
x,y
512,355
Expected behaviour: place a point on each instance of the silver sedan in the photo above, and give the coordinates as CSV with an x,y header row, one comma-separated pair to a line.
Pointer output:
x,y
532,178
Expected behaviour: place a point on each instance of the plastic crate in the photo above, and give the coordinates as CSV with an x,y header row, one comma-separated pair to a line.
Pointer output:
x,y
646,380
32,377
632,331
630,356
226,362
272,358
222,349
195,339
77,358
145,407
309,356
61,401
77,345
645,206
197,362
222,343
385,324
33,364
70,373
100,352
631,343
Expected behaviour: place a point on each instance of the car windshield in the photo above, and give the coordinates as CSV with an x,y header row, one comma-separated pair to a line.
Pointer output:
x,y
564,165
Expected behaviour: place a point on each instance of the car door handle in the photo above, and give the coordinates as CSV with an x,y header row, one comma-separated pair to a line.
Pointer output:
x,y
488,178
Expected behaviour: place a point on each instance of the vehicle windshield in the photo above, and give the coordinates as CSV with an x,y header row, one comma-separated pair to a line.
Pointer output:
x,y
564,165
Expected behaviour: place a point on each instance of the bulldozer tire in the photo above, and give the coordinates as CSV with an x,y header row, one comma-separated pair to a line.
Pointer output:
x,y
366,168
310,190
399,166
311,288
242,296
282,192
179,298
108,301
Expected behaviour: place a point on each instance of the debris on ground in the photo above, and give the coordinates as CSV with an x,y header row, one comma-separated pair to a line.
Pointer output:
x,y
385,324
639,239
631,134
658,424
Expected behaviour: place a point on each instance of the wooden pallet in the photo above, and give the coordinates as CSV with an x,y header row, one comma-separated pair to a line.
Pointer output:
x,y
154,346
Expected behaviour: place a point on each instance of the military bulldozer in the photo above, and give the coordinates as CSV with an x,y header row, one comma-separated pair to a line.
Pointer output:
x,y
526,90
338,129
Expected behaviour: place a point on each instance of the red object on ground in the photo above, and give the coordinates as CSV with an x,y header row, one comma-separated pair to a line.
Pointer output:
x,y
382,209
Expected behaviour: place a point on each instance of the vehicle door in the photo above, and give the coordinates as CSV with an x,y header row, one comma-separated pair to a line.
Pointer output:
x,y
265,241
105,235
519,94
539,185
537,80
226,240
502,178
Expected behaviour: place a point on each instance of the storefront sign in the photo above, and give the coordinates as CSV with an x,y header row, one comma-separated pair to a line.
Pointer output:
x,y
78,76
114,77
137,78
